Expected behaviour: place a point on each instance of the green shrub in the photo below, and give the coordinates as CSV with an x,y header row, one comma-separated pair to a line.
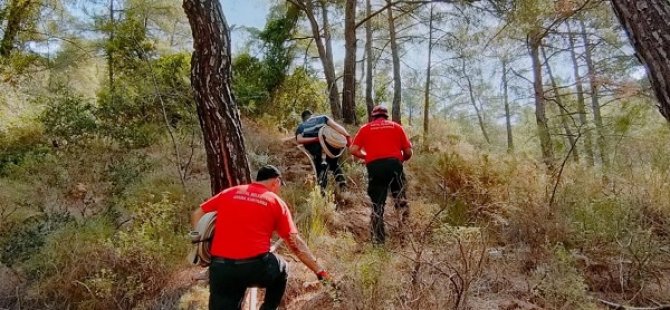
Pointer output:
x,y
69,118
27,238
123,171
599,223
91,265
17,143
560,284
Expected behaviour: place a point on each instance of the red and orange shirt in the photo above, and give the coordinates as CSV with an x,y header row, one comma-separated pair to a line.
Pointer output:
x,y
382,138
247,215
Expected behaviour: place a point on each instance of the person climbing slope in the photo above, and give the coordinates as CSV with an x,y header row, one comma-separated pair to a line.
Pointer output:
x,y
384,146
310,133
247,215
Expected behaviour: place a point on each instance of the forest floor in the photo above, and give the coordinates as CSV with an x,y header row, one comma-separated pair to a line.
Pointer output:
x,y
481,274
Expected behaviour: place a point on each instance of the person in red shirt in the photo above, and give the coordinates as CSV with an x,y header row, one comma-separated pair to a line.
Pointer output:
x,y
384,146
247,215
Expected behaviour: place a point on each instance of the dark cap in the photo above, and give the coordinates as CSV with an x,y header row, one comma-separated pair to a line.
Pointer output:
x,y
380,111
268,172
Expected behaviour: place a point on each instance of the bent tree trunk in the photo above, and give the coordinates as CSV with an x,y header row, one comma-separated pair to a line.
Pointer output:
x,y
647,23
217,111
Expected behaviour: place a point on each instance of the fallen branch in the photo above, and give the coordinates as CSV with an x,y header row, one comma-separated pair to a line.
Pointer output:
x,y
622,307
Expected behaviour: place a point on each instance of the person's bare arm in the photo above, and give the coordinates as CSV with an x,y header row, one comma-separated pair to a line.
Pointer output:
x,y
300,249
195,217
357,151
407,154
337,127
302,140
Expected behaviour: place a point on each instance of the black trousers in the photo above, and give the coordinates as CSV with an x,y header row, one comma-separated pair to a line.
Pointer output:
x,y
385,174
322,167
229,280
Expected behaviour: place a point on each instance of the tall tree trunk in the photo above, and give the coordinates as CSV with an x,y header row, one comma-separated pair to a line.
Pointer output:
x,y
581,106
546,145
563,111
426,90
16,13
473,101
333,90
369,101
647,23
349,83
217,112
326,60
110,52
397,82
508,114
595,100
410,113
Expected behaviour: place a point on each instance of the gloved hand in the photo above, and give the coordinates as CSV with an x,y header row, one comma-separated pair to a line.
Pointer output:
x,y
323,276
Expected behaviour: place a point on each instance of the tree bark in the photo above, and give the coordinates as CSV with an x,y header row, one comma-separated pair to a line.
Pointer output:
x,y
426,90
595,100
647,23
349,83
397,82
16,12
581,106
110,52
508,114
473,101
369,100
331,79
563,111
211,81
546,146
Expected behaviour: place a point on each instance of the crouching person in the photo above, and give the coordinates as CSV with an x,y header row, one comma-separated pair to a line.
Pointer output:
x,y
247,215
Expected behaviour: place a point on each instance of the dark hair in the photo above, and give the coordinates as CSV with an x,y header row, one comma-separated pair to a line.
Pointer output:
x,y
306,114
267,172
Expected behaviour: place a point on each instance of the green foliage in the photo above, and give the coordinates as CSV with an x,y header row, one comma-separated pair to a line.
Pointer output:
x,y
128,44
560,283
256,80
159,227
248,84
109,268
278,54
68,117
301,90
316,211
19,143
143,100
27,238
123,172
600,222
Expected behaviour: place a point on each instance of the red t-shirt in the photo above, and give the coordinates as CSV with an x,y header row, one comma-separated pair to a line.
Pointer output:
x,y
382,138
247,215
